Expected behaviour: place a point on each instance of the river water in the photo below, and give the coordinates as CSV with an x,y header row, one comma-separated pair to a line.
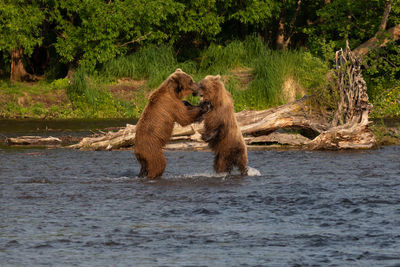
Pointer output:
x,y
63,207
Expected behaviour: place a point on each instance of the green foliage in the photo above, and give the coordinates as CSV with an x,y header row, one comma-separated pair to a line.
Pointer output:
x,y
91,100
270,70
341,20
153,63
218,59
199,17
59,84
348,20
387,103
385,135
149,39
97,31
250,12
382,68
382,74
20,23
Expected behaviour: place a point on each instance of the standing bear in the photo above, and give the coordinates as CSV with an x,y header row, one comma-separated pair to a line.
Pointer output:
x,y
221,130
154,128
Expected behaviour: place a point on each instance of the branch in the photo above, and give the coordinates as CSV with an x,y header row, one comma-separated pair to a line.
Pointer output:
x,y
141,38
375,42
385,17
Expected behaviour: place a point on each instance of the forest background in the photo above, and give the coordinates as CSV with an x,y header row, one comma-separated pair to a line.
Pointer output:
x,y
102,58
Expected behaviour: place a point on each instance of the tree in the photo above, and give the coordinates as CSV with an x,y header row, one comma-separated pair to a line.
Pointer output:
x,y
382,36
356,21
95,31
284,32
20,32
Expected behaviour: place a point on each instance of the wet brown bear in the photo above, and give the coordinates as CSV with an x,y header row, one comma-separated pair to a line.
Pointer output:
x,y
165,107
221,130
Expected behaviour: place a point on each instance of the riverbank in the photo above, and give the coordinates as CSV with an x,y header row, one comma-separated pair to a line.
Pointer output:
x,y
257,77
70,132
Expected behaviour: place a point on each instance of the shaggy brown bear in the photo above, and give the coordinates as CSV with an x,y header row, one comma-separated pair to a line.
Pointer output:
x,y
154,128
221,130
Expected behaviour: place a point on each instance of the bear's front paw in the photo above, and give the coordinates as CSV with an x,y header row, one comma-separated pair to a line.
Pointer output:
x,y
205,106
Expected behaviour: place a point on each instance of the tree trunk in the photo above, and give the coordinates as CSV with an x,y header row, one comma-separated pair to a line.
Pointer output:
x,y
18,72
375,42
284,35
280,38
385,17
379,40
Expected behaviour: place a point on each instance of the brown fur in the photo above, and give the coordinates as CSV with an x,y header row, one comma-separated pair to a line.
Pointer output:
x,y
222,132
156,123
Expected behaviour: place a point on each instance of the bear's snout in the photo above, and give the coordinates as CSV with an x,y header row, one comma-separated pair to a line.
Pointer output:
x,y
196,89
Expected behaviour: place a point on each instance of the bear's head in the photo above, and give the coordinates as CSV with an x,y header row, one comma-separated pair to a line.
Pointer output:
x,y
211,89
182,83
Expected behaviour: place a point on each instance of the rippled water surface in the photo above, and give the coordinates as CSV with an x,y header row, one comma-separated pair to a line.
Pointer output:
x,y
84,208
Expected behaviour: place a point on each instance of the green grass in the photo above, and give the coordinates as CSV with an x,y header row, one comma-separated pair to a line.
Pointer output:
x,y
387,103
153,63
89,97
270,69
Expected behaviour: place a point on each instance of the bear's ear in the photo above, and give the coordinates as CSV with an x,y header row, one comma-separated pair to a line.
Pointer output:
x,y
178,70
217,77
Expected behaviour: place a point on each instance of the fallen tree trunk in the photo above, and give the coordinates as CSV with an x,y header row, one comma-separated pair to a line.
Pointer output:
x,y
296,114
112,140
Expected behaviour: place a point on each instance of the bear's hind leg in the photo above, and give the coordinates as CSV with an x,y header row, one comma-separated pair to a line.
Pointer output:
x,y
221,164
241,163
243,168
143,170
143,165
156,165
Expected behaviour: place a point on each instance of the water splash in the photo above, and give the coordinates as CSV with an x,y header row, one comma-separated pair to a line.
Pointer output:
x,y
253,171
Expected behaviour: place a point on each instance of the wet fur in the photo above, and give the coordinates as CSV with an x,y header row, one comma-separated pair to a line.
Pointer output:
x,y
154,128
221,130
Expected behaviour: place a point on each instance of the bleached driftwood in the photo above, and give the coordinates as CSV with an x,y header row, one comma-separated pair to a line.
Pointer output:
x,y
34,140
296,114
111,140
349,127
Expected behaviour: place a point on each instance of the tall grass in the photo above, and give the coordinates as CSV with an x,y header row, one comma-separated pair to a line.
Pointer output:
x,y
91,100
153,63
269,69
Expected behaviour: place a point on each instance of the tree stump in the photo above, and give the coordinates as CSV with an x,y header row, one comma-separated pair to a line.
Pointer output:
x,y
349,127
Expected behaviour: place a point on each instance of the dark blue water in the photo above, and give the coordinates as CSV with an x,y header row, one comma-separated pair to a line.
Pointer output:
x,y
83,208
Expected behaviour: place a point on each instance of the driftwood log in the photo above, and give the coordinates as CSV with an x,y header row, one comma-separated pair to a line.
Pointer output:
x,y
34,141
293,124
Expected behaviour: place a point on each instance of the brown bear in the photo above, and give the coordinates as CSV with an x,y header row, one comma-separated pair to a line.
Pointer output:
x,y
221,130
154,128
